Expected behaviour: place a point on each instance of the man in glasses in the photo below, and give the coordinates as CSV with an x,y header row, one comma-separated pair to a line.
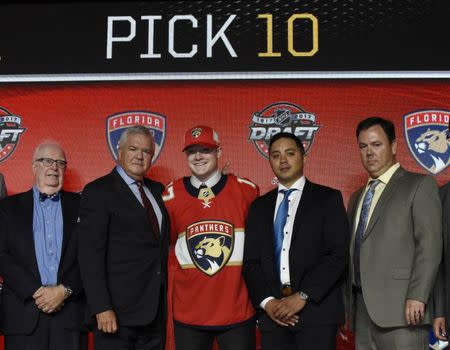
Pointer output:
x,y
207,214
43,302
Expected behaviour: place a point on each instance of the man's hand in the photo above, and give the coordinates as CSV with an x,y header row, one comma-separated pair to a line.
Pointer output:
x,y
106,321
49,299
414,312
272,307
289,306
439,328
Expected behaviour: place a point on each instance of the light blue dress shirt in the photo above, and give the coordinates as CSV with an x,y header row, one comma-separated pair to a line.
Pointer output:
x,y
48,236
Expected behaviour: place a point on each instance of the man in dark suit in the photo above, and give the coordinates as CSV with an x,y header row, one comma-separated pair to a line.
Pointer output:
x,y
442,287
3,192
396,246
295,255
43,302
123,249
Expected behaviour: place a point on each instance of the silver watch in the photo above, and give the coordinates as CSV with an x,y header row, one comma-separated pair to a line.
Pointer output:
x,y
303,296
67,292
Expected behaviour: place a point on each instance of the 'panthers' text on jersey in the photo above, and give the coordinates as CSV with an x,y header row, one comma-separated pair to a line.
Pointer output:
x,y
208,232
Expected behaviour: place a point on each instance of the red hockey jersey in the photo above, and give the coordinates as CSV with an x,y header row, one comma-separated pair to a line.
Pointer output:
x,y
207,228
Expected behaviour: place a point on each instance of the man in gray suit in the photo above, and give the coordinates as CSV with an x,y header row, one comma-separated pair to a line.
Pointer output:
x,y
442,288
3,193
396,246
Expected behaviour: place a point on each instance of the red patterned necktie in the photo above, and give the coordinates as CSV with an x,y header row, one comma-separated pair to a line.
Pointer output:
x,y
148,206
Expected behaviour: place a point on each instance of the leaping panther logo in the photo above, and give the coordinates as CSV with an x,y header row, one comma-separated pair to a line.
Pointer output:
x,y
214,251
434,143
210,244
426,136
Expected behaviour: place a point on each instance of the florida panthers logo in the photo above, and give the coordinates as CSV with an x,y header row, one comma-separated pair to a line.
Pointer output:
x,y
426,136
116,124
210,244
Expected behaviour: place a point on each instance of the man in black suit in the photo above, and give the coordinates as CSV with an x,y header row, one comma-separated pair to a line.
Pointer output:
x,y
123,249
295,255
43,302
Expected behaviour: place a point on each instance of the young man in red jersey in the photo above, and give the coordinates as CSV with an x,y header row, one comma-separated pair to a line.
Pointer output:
x,y
207,212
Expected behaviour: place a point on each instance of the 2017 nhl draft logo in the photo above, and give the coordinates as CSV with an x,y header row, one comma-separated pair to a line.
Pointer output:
x,y
10,131
116,124
426,137
210,244
286,117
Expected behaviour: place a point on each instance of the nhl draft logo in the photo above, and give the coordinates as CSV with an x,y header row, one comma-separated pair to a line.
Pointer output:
x,y
210,244
426,137
278,117
116,124
10,131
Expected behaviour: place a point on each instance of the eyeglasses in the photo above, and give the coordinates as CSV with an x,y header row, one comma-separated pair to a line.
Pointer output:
x,y
48,162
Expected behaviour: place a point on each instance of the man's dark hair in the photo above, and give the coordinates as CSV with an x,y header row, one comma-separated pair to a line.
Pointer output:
x,y
288,135
385,124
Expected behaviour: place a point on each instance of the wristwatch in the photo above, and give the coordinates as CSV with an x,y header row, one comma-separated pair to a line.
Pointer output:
x,y
303,296
67,292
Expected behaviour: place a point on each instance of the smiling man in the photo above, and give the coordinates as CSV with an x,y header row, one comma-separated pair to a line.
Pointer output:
x,y
395,248
207,212
296,255
43,302
123,233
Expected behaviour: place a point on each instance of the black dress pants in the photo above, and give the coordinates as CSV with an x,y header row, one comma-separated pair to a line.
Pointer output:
x,y
236,338
49,334
282,338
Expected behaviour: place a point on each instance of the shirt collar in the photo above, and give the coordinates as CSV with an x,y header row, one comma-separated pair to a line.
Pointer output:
x,y
211,182
299,185
38,194
386,176
128,179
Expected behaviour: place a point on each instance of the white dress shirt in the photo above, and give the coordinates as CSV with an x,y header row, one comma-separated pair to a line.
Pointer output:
x,y
294,200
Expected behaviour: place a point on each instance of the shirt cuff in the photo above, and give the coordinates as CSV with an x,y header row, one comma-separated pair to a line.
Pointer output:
x,y
264,302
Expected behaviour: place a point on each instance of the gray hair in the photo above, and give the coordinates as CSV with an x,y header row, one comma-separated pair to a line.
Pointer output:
x,y
46,144
133,130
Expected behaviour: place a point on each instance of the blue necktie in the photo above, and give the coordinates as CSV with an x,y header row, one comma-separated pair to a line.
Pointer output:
x,y
278,226
363,218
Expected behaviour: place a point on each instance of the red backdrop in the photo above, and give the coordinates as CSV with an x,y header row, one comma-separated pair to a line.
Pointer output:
x,y
74,114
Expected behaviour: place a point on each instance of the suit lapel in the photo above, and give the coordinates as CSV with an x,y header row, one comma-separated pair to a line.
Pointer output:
x,y
268,215
303,206
67,216
28,206
162,207
352,216
384,199
129,199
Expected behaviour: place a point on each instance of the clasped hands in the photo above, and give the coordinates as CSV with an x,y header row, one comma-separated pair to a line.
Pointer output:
x,y
283,311
49,299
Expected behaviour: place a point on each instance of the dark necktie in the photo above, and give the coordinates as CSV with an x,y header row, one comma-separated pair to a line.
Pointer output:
x,y
150,211
363,218
278,226
54,197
